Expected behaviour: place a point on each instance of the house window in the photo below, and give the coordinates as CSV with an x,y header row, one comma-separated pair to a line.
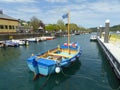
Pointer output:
x,y
1,27
13,27
6,27
10,27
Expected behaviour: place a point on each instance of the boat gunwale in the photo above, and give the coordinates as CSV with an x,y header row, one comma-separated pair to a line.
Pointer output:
x,y
42,55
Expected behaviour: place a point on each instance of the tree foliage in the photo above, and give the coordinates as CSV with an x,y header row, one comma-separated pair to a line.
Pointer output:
x,y
52,27
73,26
61,25
113,28
35,23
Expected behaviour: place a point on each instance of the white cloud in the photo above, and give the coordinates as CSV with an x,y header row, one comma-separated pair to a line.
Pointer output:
x,y
18,1
27,9
80,1
86,13
95,13
104,6
53,1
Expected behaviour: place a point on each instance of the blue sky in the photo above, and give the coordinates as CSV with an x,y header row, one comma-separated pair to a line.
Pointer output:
x,y
86,13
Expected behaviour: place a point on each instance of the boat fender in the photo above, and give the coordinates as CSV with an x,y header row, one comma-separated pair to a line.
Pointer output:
x,y
57,69
32,54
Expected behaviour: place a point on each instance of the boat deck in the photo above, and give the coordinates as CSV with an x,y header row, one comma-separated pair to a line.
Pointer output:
x,y
63,54
58,54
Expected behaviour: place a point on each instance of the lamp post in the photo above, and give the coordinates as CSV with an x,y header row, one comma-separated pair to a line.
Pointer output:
x,y
106,37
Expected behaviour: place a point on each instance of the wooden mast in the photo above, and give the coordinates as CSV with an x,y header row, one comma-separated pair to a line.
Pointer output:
x,y
68,32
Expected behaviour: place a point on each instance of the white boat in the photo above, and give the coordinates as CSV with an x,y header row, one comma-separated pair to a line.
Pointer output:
x,y
20,42
1,43
32,39
93,37
9,43
118,32
47,38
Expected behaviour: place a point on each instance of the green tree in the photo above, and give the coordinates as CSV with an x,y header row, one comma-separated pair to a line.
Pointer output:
x,y
73,26
115,28
61,25
52,27
35,22
49,27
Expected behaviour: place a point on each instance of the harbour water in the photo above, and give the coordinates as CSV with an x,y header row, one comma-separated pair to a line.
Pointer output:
x,y
92,70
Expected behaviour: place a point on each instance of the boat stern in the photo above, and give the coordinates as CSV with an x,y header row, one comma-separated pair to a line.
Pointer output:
x,y
46,67
32,64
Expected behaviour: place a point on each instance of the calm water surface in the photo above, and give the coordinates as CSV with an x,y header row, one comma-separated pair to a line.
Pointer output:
x,y
91,72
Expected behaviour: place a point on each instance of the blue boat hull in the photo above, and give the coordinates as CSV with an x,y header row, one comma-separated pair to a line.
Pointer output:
x,y
46,70
32,64
70,61
33,68
46,66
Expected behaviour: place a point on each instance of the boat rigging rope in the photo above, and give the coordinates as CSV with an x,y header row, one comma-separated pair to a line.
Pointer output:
x,y
80,76
45,83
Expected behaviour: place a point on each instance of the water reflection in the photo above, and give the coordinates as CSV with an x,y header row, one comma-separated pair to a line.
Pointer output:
x,y
8,54
108,71
112,78
50,82
92,72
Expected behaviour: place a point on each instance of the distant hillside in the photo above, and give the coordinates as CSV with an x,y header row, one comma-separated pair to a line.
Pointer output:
x,y
94,29
113,28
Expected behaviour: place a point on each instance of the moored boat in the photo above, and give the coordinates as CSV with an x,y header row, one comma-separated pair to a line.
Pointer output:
x,y
20,42
93,37
32,39
1,43
9,43
47,38
50,38
53,61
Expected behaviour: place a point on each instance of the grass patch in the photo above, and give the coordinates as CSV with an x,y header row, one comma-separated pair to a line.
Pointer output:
x,y
114,37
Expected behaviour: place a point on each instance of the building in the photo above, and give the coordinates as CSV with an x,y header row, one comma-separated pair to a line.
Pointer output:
x,y
8,24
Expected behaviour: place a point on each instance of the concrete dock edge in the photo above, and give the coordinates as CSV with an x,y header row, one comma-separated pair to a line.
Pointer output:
x,y
111,58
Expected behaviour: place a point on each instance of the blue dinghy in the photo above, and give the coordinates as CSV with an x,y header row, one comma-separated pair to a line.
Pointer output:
x,y
53,61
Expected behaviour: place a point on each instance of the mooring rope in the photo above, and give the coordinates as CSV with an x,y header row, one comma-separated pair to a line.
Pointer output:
x,y
45,83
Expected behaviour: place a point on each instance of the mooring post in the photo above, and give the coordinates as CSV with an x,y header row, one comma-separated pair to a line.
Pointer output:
x,y
106,36
97,31
100,28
